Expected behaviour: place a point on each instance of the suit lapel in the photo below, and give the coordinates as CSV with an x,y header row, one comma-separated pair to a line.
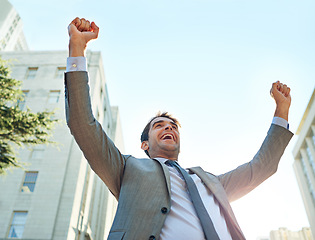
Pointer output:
x,y
166,176
218,191
214,185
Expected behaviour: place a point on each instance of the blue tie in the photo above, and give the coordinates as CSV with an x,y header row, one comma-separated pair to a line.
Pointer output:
x,y
206,222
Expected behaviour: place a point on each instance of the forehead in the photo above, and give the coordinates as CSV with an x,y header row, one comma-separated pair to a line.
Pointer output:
x,y
162,120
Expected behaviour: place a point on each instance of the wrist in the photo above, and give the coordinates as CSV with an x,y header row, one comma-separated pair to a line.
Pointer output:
x,y
76,48
282,113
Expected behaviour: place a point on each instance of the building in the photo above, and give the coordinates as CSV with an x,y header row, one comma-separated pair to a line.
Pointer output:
x,y
57,196
285,234
304,160
11,29
262,238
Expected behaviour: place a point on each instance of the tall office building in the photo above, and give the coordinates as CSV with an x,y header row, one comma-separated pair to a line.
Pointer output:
x,y
57,196
11,29
304,160
285,234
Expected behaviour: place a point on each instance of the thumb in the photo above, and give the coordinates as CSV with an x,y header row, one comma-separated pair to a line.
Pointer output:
x,y
73,26
275,89
72,29
95,29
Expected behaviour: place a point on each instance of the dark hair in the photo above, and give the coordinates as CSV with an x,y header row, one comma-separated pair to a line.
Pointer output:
x,y
145,132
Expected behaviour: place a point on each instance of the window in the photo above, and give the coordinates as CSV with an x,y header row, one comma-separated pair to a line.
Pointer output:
x,y
29,182
37,153
7,37
307,176
60,72
31,73
21,103
15,22
310,158
101,96
17,225
53,96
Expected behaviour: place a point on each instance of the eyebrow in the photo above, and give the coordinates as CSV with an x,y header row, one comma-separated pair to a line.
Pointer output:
x,y
161,121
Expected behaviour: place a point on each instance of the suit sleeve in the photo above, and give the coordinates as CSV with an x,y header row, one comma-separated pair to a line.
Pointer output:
x,y
246,177
103,156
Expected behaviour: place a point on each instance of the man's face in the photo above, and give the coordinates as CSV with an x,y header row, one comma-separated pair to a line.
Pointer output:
x,y
163,140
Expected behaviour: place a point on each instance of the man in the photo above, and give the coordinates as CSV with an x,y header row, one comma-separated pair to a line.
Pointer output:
x,y
153,202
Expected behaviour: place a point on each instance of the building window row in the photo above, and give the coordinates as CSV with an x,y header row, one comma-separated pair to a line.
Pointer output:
x,y
16,20
308,180
32,71
53,97
7,37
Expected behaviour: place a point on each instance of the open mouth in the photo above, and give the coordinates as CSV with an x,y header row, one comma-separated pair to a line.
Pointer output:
x,y
168,136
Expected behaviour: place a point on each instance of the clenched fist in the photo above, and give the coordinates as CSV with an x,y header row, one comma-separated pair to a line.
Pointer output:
x,y
81,31
281,94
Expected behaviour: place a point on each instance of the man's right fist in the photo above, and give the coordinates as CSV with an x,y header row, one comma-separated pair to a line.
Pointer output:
x,y
81,31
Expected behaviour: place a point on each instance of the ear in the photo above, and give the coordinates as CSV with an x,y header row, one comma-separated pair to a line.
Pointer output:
x,y
145,145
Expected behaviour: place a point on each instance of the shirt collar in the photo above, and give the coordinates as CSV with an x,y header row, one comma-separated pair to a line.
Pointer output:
x,y
162,160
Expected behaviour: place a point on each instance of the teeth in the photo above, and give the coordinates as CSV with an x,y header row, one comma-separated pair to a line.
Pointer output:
x,y
167,135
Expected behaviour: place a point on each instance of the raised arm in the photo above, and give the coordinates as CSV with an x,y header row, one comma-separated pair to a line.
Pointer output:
x,y
248,176
103,156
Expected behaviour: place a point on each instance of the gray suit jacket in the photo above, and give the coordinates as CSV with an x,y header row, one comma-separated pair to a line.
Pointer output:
x,y
142,186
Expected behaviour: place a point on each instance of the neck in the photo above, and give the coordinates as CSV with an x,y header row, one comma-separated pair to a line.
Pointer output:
x,y
164,156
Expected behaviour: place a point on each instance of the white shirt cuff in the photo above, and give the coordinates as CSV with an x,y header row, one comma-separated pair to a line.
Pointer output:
x,y
76,64
281,122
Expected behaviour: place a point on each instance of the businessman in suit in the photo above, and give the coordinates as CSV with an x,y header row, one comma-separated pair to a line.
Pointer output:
x,y
153,201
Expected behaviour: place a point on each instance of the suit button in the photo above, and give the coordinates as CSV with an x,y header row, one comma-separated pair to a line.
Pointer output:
x,y
152,237
164,210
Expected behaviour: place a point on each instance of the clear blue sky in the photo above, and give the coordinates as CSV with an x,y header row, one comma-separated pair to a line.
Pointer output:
x,y
211,64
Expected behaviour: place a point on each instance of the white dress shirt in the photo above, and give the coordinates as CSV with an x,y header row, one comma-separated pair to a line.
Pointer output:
x,y
182,221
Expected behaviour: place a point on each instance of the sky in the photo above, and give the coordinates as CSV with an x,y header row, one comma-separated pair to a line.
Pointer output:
x,y
211,64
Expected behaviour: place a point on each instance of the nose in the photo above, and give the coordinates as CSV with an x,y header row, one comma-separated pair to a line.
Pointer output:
x,y
168,127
